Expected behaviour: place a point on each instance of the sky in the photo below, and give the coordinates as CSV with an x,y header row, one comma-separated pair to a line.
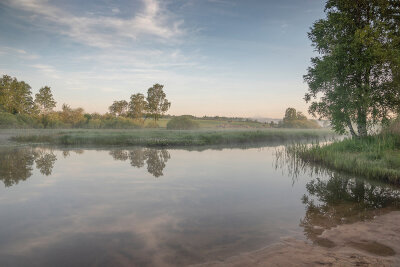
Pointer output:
x,y
239,58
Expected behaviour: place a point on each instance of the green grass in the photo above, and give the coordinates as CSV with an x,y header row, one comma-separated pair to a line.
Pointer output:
x,y
375,157
165,138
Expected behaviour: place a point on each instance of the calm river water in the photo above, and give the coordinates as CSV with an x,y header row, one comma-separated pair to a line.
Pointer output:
x,y
154,207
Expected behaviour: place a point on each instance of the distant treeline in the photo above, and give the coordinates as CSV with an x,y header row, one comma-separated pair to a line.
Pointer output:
x,y
20,109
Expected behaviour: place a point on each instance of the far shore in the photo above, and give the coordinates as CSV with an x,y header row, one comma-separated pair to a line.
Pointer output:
x,y
159,137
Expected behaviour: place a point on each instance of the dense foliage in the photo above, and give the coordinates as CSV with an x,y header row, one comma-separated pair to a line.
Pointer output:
x,y
18,109
139,107
355,80
16,96
157,102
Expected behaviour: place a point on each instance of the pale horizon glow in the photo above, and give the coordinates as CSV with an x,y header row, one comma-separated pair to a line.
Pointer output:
x,y
215,57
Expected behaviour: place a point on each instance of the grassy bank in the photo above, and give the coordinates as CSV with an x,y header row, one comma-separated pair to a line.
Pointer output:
x,y
165,138
375,157
97,121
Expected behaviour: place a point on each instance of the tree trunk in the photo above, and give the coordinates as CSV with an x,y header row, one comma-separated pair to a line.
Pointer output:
x,y
362,129
362,124
353,133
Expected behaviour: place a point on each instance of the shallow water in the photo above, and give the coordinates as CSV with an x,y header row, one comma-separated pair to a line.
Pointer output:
x,y
154,207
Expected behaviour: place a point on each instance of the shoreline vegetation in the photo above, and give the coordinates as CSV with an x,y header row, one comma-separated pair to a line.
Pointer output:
x,y
18,109
165,138
374,157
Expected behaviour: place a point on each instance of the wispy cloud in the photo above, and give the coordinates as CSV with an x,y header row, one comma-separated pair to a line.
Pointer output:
x,y
47,70
4,50
104,31
115,10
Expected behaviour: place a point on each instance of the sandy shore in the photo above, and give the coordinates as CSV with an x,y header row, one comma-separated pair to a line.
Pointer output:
x,y
371,243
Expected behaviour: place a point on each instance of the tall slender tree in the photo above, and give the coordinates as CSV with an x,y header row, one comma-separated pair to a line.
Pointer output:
x,y
44,100
137,106
157,102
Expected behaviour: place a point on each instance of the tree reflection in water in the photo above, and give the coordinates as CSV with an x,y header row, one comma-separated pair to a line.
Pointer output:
x,y
16,164
155,159
333,198
45,161
342,199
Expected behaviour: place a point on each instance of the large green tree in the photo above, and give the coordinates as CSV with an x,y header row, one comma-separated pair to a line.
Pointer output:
x,y
44,100
118,108
290,115
157,102
15,96
355,80
137,106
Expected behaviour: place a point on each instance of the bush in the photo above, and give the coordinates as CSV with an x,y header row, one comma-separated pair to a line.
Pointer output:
x,y
152,124
119,123
182,123
53,120
94,123
8,120
27,121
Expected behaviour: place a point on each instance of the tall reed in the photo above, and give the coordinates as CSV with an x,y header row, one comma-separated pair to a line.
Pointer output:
x,y
375,157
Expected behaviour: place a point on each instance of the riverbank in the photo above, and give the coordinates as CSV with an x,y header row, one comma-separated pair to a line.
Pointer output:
x,y
368,243
375,157
164,138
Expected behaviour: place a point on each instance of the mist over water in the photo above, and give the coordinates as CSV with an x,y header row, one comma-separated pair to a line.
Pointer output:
x,y
145,207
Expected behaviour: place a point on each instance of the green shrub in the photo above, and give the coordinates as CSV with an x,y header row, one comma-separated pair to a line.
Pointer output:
x,y
94,123
24,119
56,124
120,123
182,123
152,124
8,120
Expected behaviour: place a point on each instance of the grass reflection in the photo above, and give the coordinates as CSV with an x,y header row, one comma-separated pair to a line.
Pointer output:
x,y
334,198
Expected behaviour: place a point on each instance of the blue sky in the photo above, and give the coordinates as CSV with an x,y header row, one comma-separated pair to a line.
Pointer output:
x,y
215,57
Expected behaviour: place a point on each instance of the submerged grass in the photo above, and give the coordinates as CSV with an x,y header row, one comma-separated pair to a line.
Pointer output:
x,y
165,138
374,157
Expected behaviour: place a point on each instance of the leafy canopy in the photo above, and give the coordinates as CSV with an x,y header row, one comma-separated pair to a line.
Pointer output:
x,y
44,100
15,96
156,101
355,80
137,106
118,108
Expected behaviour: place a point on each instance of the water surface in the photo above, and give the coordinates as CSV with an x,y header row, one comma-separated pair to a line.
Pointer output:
x,y
157,207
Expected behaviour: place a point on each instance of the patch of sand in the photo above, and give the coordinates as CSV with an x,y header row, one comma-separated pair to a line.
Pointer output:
x,y
371,243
